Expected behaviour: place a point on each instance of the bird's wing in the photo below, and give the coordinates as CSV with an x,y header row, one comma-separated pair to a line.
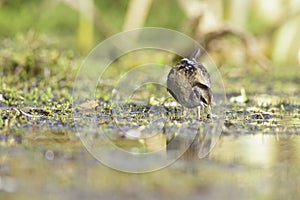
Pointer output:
x,y
204,77
203,92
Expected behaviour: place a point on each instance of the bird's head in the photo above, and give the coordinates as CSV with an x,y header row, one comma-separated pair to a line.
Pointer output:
x,y
186,65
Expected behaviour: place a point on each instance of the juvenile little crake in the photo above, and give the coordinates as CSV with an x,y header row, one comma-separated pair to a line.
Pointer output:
x,y
189,83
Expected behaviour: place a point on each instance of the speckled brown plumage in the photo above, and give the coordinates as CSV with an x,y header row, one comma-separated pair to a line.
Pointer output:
x,y
189,83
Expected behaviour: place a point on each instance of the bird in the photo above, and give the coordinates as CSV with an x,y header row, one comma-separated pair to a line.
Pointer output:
x,y
189,83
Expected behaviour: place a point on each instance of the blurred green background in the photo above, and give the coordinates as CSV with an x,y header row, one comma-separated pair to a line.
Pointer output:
x,y
242,37
83,24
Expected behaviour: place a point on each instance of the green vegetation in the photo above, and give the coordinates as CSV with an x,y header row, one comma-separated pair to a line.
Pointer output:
x,y
257,155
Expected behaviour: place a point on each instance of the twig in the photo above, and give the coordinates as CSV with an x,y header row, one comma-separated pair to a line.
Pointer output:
x,y
26,114
248,40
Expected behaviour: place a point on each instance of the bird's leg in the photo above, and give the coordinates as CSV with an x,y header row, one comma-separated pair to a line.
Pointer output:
x,y
199,112
183,113
208,111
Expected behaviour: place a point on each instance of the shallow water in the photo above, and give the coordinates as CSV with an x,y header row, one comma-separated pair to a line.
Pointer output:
x,y
244,167
256,157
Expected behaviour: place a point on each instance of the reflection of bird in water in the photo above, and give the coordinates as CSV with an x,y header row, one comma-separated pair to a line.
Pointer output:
x,y
189,83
